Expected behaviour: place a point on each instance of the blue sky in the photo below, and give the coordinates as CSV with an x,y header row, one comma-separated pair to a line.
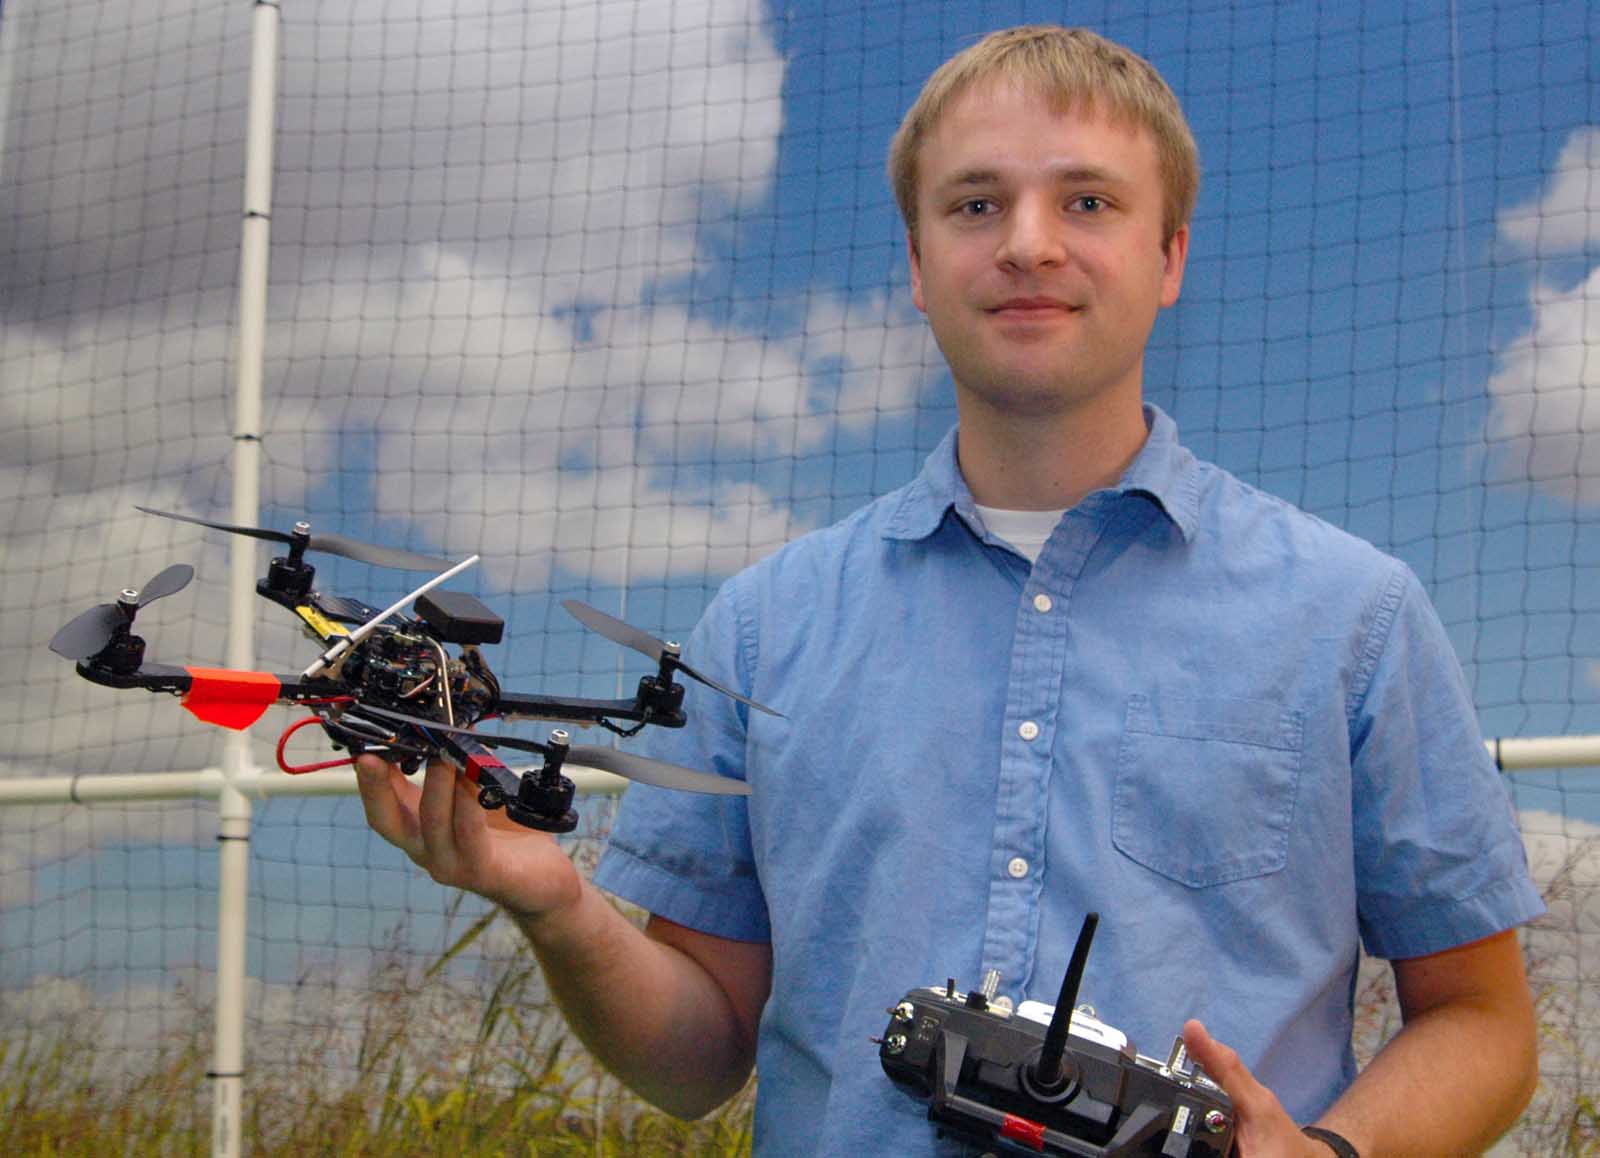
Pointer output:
x,y
615,294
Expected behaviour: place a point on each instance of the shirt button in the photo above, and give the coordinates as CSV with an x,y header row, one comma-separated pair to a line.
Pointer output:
x,y
1028,730
1041,602
1017,867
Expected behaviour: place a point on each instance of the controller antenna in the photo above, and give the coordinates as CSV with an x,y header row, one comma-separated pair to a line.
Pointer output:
x,y
1049,1075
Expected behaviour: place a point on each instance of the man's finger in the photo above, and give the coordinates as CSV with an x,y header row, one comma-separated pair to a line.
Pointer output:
x,y
1262,1125
390,803
436,810
1222,1063
471,822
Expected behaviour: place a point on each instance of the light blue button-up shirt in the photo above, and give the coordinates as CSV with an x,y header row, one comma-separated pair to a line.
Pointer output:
x,y
1236,732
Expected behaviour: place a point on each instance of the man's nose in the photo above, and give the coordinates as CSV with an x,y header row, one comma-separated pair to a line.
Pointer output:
x,y
1033,236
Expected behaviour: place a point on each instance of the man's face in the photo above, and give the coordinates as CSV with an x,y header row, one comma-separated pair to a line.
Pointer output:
x,y
1039,257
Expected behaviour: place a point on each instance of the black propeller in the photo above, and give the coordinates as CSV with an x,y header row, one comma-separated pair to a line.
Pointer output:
x,y
330,544
646,644
89,633
658,773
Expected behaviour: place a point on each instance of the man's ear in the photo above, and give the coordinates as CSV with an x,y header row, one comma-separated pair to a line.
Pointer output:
x,y
916,271
1176,257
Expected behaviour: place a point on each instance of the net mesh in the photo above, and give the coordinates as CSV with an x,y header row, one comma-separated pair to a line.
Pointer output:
x,y
613,293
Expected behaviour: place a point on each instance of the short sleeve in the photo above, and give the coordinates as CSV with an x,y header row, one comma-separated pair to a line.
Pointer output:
x,y
1439,858
687,856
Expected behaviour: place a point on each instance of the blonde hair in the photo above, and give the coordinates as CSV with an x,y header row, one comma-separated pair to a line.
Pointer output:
x,y
1073,68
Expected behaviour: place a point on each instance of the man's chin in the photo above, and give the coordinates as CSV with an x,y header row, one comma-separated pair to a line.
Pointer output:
x,y
1027,397
1028,390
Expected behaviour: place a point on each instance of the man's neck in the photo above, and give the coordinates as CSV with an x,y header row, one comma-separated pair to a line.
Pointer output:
x,y
1039,463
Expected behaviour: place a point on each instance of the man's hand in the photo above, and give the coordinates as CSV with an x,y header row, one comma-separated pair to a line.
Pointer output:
x,y
673,1014
1262,1128
443,828
1454,1078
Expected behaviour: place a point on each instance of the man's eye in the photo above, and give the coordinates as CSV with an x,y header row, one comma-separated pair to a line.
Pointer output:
x,y
977,207
1088,203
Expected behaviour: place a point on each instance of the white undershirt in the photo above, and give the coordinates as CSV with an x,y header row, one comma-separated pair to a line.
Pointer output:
x,y
1024,530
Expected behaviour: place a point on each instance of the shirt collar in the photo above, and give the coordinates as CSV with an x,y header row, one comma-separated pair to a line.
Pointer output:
x,y
1163,471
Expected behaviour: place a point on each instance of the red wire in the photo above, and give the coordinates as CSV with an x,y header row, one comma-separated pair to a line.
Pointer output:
x,y
296,769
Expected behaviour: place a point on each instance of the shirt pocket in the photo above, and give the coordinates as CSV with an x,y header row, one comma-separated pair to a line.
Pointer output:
x,y
1206,786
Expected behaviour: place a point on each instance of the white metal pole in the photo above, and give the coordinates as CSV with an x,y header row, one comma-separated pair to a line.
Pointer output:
x,y
233,807
1512,753
8,48
210,783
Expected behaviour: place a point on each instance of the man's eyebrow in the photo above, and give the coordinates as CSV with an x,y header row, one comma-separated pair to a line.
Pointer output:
x,y
1090,174
1062,174
963,178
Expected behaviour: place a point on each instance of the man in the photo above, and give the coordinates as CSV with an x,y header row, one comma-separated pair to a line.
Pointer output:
x,y
1068,668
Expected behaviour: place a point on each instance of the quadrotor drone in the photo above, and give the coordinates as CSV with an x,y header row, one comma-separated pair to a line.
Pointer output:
x,y
386,683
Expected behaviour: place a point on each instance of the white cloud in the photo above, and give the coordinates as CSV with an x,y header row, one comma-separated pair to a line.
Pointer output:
x,y
345,1023
1566,218
560,446
471,209
1545,387
50,836
477,209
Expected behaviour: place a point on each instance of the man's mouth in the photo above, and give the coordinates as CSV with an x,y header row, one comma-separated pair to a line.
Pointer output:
x,y
1033,307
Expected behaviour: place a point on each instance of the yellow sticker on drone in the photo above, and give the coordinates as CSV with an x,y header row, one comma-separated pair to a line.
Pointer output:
x,y
320,623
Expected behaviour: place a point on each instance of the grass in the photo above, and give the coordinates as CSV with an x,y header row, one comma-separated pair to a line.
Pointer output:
x,y
51,1105
465,1056
422,1062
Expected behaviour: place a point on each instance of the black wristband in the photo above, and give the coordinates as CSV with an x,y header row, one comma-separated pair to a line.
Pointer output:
x,y
1339,1144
